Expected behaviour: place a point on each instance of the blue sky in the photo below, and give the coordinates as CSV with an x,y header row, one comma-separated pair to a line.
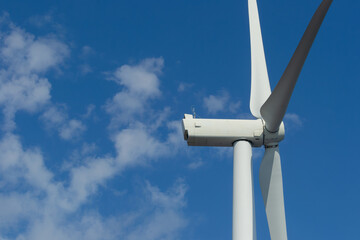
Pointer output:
x,y
92,94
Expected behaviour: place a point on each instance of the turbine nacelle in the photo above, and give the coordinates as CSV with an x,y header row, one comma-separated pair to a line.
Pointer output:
x,y
225,132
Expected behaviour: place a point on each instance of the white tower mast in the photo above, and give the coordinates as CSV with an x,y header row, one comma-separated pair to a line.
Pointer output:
x,y
243,197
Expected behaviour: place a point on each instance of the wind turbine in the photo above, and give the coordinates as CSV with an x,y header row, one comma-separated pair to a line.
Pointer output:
x,y
267,130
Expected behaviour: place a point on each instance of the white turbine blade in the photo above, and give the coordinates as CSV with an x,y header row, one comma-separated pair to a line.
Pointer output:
x,y
275,107
260,86
272,190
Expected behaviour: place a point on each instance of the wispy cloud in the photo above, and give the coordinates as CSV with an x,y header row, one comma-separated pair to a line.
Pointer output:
x,y
184,86
166,219
220,103
87,51
89,111
215,104
85,69
46,20
56,117
41,20
292,121
195,165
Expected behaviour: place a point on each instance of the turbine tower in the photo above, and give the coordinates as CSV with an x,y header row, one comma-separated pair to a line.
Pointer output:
x,y
267,130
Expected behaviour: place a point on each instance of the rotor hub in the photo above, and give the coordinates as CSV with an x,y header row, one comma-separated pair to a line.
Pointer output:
x,y
272,139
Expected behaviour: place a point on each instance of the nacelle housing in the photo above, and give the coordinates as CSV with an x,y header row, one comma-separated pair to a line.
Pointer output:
x,y
225,132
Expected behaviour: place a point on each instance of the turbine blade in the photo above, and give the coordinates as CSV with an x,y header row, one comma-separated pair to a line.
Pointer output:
x,y
260,86
275,106
272,191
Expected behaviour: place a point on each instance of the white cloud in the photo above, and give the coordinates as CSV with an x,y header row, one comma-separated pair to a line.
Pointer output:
x,y
28,93
166,220
86,179
184,86
89,110
141,79
41,20
195,165
71,129
234,107
220,103
85,69
35,202
45,53
14,208
87,51
55,117
23,53
292,120
80,155
136,146
46,20
25,58
223,152
47,209
140,84
140,144
125,104
18,164
175,138
215,104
